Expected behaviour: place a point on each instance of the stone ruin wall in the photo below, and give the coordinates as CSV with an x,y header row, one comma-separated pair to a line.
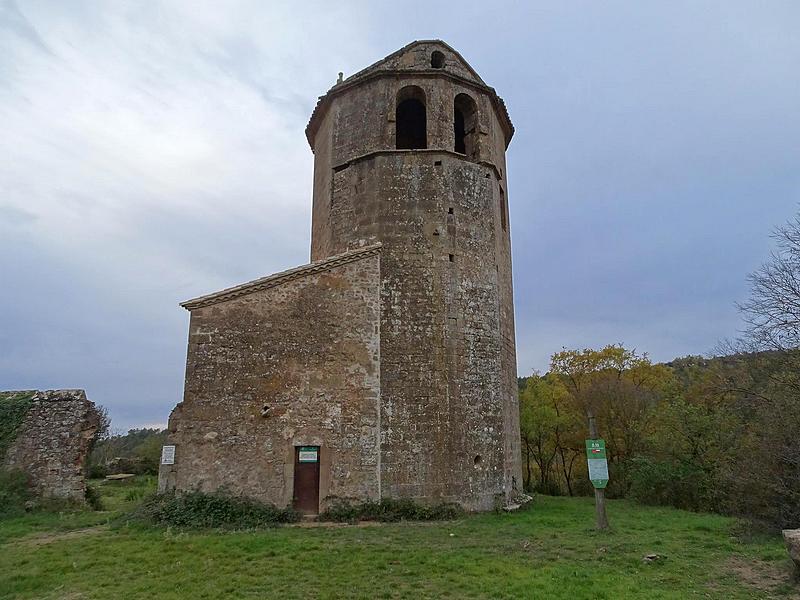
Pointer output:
x,y
53,441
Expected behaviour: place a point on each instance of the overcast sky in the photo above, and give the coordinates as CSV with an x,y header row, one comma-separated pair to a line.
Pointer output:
x,y
155,151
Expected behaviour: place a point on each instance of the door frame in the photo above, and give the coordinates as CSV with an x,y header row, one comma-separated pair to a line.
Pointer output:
x,y
297,463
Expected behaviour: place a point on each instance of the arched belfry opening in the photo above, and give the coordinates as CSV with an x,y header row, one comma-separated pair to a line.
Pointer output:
x,y
411,127
465,125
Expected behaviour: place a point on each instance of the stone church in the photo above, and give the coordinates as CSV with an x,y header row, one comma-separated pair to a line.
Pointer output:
x,y
386,367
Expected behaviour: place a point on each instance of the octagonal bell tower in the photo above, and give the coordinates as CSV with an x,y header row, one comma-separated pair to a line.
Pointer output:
x,y
410,153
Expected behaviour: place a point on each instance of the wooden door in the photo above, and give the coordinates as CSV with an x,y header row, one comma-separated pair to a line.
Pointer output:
x,y
306,479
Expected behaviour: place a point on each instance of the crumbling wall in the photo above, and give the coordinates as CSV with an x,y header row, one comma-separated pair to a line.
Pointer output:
x,y
53,440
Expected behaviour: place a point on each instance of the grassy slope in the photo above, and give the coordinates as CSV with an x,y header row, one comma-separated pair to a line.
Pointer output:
x,y
548,552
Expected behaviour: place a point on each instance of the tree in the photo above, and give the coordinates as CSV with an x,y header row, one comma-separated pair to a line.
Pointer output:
x,y
762,473
539,424
772,312
617,390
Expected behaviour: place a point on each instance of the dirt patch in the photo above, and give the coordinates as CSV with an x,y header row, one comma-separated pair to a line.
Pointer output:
x,y
770,579
42,539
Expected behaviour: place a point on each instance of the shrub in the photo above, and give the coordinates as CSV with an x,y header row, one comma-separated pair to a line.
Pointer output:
x,y
218,510
15,492
56,504
135,495
97,471
679,484
619,479
548,488
390,510
93,499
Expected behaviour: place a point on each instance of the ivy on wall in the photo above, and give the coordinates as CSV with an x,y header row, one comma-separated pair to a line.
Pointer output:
x,y
13,408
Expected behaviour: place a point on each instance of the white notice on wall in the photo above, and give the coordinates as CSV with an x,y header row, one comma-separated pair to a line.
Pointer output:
x,y
168,455
307,455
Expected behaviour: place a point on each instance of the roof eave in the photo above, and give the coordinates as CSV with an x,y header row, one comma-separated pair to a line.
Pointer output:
x,y
279,278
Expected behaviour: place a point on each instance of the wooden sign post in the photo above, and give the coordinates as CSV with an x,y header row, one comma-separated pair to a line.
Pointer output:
x,y
598,472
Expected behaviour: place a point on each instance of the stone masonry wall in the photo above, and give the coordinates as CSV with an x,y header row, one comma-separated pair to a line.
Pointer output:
x,y
290,365
53,441
450,423
401,364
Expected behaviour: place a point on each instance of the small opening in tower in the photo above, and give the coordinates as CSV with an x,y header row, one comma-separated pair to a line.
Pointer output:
x,y
458,130
465,125
503,215
450,211
410,119
437,59
452,257
437,163
477,459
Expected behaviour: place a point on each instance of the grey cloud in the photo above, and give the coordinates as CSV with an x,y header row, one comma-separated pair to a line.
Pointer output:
x,y
159,154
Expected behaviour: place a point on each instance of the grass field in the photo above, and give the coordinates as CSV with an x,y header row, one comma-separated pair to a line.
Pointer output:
x,y
549,551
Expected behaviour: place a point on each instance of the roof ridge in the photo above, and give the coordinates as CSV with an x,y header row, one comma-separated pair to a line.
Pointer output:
x,y
275,279
366,69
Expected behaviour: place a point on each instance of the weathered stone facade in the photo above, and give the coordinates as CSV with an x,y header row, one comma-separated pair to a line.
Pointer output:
x,y
290,360
53,441
399,364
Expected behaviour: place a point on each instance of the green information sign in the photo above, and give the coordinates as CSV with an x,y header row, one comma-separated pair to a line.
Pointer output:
x,y
308,454
598,465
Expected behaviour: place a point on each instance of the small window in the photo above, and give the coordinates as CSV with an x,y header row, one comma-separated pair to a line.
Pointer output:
x,y
437,60
450,211
452,257
411,119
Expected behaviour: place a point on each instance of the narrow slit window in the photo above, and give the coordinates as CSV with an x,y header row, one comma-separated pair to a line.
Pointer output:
x,y
503,215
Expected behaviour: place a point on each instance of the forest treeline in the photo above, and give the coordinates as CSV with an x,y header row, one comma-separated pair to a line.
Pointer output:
x,y
715,434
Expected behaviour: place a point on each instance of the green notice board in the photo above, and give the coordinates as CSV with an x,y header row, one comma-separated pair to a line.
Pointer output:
x,y
308,454
598,464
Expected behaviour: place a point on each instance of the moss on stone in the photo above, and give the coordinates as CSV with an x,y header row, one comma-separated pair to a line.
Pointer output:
x,y
13,408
